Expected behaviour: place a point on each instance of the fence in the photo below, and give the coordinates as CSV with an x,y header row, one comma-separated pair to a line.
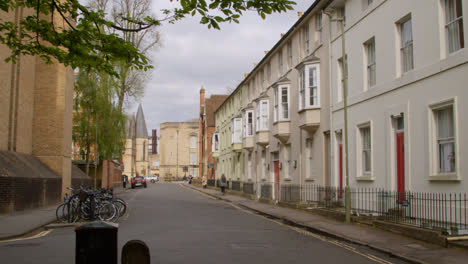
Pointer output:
x,y
248,188
266,191
236,185
211,182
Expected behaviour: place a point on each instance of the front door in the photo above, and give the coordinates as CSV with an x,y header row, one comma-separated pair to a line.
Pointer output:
x,y
340,165
400,157
276,180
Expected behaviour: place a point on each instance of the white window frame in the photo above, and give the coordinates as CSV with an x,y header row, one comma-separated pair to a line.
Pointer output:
x,y
361,149
435,141
280,107
249,126
290,54
406,45
193,141
371,66
275,104
280,61
236,131
454,30
305,87
319,28
306,34
264,115
193,158
215,142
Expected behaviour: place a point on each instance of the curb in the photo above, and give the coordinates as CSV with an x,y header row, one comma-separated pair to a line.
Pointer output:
x,y
316,230
32,231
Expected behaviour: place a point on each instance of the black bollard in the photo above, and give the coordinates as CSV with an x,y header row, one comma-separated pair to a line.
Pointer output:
x,y
136,252
96,243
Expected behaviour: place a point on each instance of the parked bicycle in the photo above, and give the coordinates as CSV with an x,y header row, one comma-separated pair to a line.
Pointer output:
x,y
88,204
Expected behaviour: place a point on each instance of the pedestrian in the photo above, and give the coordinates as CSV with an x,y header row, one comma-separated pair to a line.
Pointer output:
x,y
223,183
204,181
190,177
185,179
124,181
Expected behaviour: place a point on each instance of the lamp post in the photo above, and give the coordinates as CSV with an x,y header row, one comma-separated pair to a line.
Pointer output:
x,y
345,110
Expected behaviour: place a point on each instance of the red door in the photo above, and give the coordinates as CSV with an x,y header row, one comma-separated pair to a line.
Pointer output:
x,y
400,160
341,170
276,183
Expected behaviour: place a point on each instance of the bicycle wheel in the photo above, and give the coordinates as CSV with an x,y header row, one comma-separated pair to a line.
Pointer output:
x,y
60,213
121,206
106,211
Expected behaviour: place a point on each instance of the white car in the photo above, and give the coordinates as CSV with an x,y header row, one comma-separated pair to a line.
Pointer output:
x,y
152,178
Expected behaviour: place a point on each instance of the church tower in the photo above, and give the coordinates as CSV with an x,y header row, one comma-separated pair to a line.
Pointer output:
x,y
141,143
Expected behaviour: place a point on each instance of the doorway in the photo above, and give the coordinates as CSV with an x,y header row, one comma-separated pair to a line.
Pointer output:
x,y
276,176
340,163
400,155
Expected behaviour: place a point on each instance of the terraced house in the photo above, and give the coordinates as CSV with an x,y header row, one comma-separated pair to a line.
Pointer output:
x,y
273,128
399,68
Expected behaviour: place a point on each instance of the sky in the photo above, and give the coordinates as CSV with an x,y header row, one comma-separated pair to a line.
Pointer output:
x,y
190,56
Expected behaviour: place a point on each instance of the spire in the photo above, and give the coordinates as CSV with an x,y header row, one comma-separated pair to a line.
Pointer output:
x,y
130,126
141,131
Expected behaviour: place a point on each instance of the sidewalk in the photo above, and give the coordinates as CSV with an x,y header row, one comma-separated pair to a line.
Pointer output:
x,y
22,223
406,248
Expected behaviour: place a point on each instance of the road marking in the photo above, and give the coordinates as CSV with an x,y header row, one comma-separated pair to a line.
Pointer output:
x,y
38,235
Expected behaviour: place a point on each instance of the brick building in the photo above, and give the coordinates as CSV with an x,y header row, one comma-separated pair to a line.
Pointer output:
x,y
207,128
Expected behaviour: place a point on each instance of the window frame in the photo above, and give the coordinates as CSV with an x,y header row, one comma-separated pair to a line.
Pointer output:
x,y
236,131
406,47
290,54
371,65
342,75
319,27
280,61
215,142
456,21
252,126
262,115
194,160
306,36
361,150
193,143
282,103
305,88
434,150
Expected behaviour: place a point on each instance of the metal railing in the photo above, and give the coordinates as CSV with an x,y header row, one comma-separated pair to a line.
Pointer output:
x,y
236,185
248,188
266,190
211,182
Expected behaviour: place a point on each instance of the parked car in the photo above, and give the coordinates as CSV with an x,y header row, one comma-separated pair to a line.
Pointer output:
x,y
152,178
138,181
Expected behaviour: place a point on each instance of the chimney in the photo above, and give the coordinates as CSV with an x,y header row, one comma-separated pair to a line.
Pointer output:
x,y
299,14
266,51
202,100
282,34
246,74
255,64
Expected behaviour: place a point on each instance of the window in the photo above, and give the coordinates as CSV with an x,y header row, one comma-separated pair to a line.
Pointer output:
x,y
290,54
237,130
268,69
406,49
284,102
193,142
368,2
454,25
309,87
318,27
262,79
280,61
445,139
263,115
193,158
366,156
343,75
305,32
276,108
370,52
215,143
249,123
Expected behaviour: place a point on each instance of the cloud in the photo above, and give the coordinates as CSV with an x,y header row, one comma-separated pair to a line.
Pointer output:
x,y
190,55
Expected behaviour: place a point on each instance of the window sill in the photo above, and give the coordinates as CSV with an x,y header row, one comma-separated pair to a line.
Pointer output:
x,y
287,179
365,178
444,177
308,108
309,180
282,121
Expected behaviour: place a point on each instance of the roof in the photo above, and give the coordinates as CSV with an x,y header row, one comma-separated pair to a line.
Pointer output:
x,y
212,104
140,124
130,126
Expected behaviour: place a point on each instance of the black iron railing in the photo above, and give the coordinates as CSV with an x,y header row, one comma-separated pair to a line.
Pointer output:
x,y
236,185
248,188
266,190
211,182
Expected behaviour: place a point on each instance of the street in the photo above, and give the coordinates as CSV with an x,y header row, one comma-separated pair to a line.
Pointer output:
x,y
181,225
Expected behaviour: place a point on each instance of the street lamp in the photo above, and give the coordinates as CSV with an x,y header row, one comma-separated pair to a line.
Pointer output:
x,y
345,110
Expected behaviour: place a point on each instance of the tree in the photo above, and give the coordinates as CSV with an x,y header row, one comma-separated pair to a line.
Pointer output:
x,y
97,119
80,37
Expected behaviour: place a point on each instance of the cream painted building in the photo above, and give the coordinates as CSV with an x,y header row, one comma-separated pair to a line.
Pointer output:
x,y
274,128
135,158
178,149
408,66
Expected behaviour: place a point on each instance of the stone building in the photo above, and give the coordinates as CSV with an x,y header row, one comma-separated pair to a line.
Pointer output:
x,y
35,130
153,153
178,150
135,158
207,127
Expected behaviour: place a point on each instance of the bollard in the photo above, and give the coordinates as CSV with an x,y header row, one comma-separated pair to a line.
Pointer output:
x,y
136,252
96,243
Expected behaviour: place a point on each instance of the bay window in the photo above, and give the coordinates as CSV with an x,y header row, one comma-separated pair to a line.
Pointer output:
x,y
236,130
281,110
309,87
249,126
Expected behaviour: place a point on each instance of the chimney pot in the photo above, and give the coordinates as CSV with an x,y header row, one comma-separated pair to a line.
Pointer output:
x,y
246,74
299,14
282,34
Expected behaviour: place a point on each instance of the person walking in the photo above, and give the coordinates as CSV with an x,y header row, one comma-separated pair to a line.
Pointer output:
x,y
204,181
124,181
223,183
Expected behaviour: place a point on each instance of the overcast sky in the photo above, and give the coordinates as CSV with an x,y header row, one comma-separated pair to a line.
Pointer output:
x,y
191,55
